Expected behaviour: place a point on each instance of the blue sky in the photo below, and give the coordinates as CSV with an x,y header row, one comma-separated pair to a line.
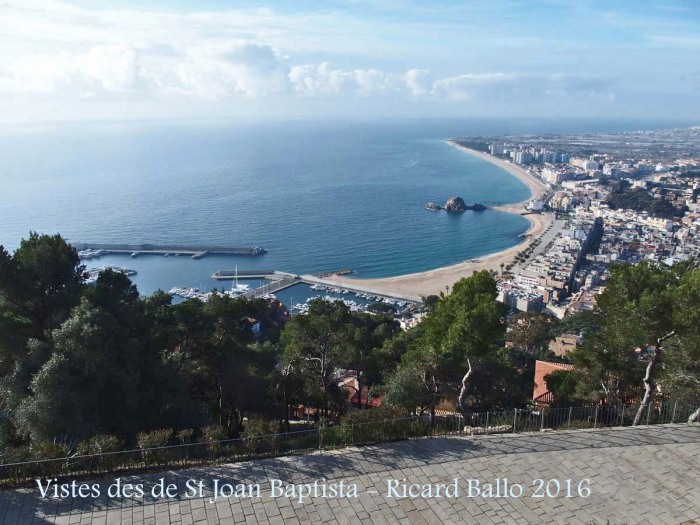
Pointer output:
x,y
207,59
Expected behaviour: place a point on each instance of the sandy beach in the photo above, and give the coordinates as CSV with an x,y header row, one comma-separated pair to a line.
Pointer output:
x,y
440,279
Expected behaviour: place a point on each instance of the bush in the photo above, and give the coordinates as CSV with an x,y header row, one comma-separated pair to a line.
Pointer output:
x,y
42,450
15,455
379,424
154,439
373,414
7,433
10,475
184,436
211,435
382,308
214,433
253,433
100,444
49,450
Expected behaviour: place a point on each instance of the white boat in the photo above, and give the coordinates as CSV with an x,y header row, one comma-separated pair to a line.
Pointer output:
x,y
237,289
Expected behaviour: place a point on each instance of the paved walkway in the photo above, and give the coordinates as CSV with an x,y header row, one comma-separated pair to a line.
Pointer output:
x,y
643,475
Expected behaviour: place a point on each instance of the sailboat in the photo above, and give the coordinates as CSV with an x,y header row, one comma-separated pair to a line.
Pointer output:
x,y
237,289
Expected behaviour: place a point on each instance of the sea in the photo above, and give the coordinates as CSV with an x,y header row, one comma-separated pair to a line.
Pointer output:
x,y
318,195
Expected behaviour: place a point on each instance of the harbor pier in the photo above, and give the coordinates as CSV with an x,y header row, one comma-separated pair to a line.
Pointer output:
x,y
196,252
230,275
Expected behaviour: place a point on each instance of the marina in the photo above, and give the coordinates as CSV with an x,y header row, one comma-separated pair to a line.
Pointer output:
x,y
295,291
356,301
285,286
94,273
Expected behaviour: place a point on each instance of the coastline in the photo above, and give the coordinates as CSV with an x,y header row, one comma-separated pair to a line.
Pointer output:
x,y
433,282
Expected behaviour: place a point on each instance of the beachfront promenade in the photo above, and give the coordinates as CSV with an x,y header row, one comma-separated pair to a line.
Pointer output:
x,y
637,475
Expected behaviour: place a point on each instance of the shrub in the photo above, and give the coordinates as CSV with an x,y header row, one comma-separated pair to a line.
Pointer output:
x,y
49,450
184,436
42,450
15,455
213,434
154,439
100,444
384,423
374,414
9,475
260,436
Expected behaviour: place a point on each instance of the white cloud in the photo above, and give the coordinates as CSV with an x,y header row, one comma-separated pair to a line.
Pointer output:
x,y
110,67
103,69
314,81
418,82
235,68
62,54
324,81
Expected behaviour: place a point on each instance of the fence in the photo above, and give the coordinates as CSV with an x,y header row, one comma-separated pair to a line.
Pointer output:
x,y
345,434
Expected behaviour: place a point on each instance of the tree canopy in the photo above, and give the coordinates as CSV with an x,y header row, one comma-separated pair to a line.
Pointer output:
x,y
102,365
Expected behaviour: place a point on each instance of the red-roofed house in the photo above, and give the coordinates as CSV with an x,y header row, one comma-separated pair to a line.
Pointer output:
x,y
541,395
353,400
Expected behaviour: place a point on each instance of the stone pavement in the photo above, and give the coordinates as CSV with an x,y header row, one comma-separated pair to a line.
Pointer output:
x,y
637,475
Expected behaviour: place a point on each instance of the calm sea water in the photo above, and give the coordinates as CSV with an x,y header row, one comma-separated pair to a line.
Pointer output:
x,y
317,195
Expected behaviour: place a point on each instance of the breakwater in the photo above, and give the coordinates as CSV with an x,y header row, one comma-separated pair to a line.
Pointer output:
x,y
196,252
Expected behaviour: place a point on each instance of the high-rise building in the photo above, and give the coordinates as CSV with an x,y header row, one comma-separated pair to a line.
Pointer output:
x,y
523,157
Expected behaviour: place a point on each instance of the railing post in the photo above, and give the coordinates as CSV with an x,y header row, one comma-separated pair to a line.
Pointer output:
x,y
622,419
515,419
569,424
673,417
648,412
319,438
487,422
541,419
352,433
595,418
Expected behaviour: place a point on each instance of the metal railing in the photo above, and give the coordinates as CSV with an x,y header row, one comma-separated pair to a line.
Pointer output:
x,y
346,434
272,287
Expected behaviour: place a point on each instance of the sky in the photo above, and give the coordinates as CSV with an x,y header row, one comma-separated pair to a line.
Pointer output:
x,y
209,59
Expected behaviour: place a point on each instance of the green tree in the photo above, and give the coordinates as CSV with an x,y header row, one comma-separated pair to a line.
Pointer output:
x,y
648,327
530,331
563,385
367,335
103,377
681,371
211,345
586,322
408,388
39,284
463,333
430,302
314,346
